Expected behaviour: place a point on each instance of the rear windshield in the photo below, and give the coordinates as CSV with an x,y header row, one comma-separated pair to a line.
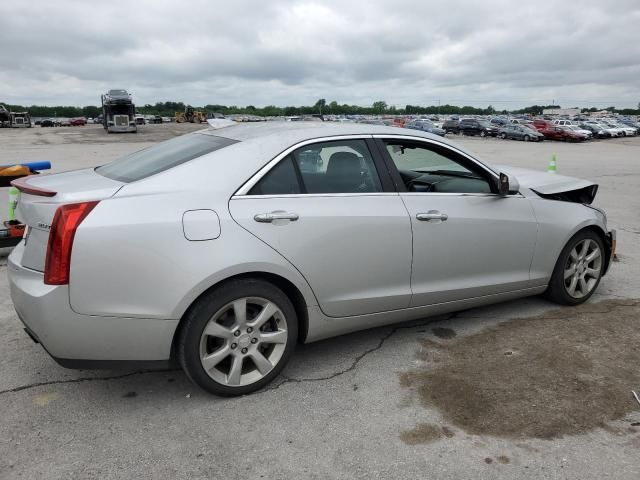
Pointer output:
x,y
162,156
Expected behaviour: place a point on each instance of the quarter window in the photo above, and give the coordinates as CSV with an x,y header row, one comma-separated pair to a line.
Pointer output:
x,y
280,180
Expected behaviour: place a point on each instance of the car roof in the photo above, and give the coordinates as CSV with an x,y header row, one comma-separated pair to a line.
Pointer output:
x,y
290,133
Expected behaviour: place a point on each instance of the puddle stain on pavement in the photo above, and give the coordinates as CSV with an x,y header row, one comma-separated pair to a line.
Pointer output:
x,y
565,372
425,433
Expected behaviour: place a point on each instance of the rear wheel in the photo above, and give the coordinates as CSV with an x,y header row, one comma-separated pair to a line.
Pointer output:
x,y
238,337
578,270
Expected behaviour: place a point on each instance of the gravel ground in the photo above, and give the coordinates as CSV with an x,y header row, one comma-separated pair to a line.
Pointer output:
x,y
517,390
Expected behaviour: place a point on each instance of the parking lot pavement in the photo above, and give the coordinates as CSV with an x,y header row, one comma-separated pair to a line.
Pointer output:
x,y
516,390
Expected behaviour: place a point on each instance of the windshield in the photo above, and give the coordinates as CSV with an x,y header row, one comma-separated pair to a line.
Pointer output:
x,y
118,92
162,156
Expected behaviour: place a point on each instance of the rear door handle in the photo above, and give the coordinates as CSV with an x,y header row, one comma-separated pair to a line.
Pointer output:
x,y
270,217
432,215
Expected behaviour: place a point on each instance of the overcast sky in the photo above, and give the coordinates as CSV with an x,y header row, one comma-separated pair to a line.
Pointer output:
x,y
286,52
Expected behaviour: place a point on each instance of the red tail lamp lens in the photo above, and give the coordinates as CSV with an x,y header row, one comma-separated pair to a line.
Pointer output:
x,y
63,230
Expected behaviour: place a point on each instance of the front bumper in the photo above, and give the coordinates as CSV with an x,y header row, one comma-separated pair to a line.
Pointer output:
x,y
611,245
122,129
82,341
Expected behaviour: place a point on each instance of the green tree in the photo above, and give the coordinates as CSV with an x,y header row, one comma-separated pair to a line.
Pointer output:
x,y
380,106
320,104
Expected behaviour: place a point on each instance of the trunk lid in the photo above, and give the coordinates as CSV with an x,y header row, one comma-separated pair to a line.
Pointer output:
x,y
41,195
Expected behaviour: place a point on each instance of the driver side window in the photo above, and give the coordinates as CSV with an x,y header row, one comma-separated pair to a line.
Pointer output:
x,y
432,169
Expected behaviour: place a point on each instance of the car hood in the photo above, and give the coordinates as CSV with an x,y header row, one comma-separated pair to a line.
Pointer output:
x,y
549,184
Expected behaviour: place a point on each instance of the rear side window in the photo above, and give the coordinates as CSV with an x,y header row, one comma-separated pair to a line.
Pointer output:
x,y
344,166
162,156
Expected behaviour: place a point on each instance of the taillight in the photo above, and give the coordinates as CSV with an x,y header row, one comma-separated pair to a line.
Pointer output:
x,y
63,229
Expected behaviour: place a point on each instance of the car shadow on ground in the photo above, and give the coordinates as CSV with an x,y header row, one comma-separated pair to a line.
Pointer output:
x,y
318,361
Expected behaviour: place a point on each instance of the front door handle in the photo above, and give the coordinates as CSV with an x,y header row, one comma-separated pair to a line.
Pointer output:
x,y
432,215
278,215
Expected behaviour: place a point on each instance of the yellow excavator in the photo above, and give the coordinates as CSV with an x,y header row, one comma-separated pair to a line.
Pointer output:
x,y
190,115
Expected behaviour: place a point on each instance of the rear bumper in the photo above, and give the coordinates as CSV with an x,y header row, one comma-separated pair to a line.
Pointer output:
x,y
82,341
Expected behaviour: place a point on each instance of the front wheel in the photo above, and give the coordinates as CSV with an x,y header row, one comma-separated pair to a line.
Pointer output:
x,y
238,337
527,138
578,270
483,133
503,136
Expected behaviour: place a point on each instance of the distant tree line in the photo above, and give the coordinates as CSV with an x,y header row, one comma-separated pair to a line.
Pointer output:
x,y
167,109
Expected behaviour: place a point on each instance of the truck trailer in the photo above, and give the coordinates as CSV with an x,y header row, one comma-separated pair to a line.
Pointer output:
x,y
118,112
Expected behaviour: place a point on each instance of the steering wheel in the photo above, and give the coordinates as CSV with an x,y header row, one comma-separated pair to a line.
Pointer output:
x,y
424,186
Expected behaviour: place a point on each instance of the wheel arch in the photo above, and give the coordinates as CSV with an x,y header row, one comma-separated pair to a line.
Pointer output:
x,y
602,234
294,294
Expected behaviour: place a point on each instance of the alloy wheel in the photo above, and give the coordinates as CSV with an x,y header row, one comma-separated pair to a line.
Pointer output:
x,y
583,268
243,341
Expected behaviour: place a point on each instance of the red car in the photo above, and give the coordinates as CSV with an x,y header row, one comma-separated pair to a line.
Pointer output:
x,y
77,122
559,133
542,124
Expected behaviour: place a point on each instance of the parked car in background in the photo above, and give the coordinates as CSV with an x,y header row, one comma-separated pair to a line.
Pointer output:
x,y
563,123
49,122
473,126
541,124
555,132
596,130
451,125
582,131
223,254
614,132
499,121
627,130
78,122
520,132
425,126
631,123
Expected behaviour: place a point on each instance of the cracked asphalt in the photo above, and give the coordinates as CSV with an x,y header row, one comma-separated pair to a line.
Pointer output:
x,y
340,409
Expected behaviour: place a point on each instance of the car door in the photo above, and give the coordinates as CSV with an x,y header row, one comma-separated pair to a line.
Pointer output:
x,y
329,208
468,241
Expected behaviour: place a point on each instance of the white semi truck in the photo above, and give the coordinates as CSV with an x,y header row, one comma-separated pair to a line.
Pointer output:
x,y
118,112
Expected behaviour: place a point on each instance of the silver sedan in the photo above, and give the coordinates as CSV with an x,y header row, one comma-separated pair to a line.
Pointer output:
x,y
222,249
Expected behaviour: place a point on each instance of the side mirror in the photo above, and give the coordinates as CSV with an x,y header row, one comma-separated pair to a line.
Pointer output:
x,y
507,186
503,185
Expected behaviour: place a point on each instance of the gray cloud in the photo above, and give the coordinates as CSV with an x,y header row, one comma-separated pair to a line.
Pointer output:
x,y
293,52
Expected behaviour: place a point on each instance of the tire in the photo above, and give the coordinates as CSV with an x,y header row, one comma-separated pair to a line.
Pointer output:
x,y
483,133
237,365
526,138
571,290
503,136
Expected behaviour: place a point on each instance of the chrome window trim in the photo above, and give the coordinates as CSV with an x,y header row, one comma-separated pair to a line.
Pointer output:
x,y
248,185
243,191
317,195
